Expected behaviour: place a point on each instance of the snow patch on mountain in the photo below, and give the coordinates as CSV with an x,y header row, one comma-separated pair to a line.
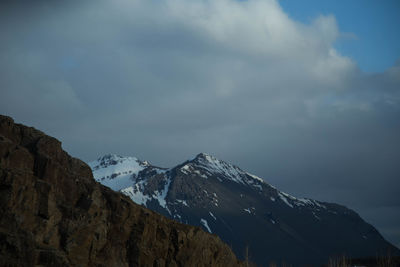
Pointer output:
x,y
135,192
290,200
185,169
212,215
115,171
183,202
284,199
309,202
225,171
205,224
255,177
219,167
160,196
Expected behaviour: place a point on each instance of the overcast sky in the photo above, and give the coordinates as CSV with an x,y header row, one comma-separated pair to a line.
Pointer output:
x,y
276,88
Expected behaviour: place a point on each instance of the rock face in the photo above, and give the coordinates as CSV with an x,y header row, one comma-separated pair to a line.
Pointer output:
x,y
53,213
245,211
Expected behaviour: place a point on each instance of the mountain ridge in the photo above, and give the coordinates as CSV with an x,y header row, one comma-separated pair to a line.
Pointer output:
x,y
245,211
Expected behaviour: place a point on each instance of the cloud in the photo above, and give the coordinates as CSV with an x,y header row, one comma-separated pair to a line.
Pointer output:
x,y
164,80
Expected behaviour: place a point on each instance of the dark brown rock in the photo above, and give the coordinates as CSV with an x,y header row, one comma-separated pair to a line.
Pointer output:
x,y
53,213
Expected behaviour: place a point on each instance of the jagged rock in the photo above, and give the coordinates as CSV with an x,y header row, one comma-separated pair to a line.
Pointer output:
x,y
53,213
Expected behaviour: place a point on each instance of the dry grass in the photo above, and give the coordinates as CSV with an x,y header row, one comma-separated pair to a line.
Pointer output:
x,y
386,261
339,262
380,261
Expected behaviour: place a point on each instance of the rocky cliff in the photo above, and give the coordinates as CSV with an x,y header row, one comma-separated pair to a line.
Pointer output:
x,y
53,213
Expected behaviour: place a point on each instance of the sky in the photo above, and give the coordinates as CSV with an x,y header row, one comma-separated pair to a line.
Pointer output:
x,y
305,94
366,26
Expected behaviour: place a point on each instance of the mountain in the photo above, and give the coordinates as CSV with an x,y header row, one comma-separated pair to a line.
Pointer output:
x,y
53,213
245,211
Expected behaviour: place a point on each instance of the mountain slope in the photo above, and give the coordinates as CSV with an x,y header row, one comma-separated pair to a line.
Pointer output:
x,y
244,210
53,213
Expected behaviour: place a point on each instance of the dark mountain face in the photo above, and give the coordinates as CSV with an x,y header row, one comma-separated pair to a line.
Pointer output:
x,y
243,210
53,213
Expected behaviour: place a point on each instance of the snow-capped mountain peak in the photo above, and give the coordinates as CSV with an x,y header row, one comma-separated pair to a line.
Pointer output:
x,y
116,172
225,200
123,174
207,165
